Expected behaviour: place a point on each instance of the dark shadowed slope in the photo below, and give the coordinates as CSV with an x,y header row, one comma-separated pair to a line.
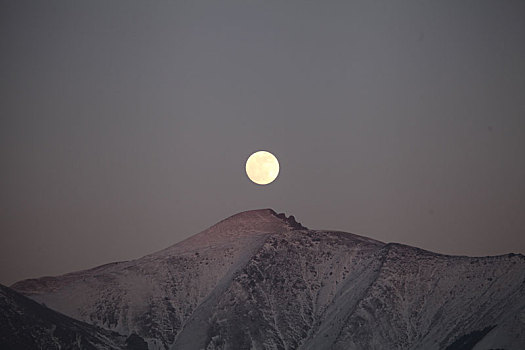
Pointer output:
x,y
260,280
25,325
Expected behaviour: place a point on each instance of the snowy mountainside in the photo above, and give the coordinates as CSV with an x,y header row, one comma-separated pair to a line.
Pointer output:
x,y
260,280
155,295
321,290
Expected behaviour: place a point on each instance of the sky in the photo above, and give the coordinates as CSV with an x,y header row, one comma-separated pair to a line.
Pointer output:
x,y
125,125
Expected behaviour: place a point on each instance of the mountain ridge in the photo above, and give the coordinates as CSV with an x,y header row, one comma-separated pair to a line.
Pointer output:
x,y
259,279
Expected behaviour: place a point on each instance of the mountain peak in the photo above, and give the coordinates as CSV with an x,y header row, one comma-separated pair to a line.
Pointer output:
x,y
250,215
265,215
247,226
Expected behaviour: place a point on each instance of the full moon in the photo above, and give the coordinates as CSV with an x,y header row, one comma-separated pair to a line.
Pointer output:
x,y
262,167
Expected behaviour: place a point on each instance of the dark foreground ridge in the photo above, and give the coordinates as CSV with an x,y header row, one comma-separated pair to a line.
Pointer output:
x,y
25,325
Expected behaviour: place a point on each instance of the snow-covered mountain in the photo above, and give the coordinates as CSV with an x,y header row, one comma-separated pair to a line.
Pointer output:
x,y
259,280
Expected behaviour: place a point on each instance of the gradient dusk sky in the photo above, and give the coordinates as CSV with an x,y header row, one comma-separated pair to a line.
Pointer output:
x,y
125,125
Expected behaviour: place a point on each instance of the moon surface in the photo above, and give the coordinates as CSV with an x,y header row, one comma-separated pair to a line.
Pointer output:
x,y
262,167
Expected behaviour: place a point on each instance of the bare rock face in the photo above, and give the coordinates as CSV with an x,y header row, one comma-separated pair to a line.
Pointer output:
x,y
260,280
290,221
